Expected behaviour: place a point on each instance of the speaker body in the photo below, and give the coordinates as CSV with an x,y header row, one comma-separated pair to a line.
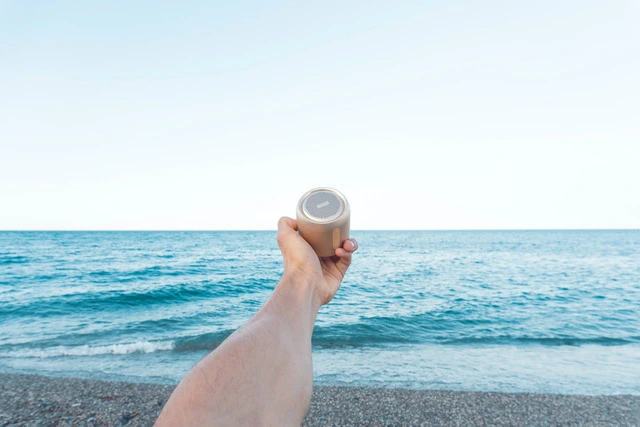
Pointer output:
x,y
323,215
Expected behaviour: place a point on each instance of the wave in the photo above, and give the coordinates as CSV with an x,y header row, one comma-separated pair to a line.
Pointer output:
x,y
86,350
546,341
435,326
151,271
455,327
369,335
353,336
7,259
98,301
371,341
209,341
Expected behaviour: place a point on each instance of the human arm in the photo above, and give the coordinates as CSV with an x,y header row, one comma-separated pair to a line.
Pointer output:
x,y
262,374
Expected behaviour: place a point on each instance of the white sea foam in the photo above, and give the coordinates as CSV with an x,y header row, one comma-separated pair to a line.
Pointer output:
x,y
87,350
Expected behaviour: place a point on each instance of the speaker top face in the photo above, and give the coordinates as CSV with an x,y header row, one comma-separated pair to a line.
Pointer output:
x,y
323,205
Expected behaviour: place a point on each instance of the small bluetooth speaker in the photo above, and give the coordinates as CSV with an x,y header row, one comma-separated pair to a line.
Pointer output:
x,y
323,216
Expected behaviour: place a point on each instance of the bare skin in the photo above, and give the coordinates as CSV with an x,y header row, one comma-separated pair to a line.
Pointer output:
x,y
262,374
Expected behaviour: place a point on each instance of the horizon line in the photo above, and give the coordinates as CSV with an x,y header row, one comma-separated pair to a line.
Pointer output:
x,y
274,230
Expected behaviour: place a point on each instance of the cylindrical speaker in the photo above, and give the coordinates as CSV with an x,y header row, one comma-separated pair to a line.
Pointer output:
x,y
323,216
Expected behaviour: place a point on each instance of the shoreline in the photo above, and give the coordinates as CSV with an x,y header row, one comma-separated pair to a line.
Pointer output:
x,y
34,399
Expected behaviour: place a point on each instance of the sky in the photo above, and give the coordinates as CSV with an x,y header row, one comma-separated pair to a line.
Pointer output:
x,y
431,115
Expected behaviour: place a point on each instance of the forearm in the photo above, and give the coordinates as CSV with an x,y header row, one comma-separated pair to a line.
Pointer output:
x,y
262,374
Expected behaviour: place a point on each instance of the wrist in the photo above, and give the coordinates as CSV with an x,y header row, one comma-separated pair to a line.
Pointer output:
x,y
301,288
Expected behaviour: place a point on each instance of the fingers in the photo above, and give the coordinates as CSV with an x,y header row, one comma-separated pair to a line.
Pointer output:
x,y
351,245
348,247
342,253
345,253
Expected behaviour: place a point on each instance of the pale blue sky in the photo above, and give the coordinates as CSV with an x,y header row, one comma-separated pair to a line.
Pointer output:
x,y
426,115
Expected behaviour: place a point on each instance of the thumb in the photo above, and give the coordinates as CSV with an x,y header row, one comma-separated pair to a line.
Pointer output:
x,y
287,224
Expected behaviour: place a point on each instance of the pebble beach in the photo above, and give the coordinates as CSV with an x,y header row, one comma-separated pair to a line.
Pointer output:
x,y
38,400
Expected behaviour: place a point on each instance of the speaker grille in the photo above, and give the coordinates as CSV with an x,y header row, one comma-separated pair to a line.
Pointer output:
x,y
322,206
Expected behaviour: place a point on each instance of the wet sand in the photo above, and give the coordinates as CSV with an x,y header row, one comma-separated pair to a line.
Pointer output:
x,y
37,400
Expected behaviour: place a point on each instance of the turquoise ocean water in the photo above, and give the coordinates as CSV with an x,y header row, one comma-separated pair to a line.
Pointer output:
x,y
535,311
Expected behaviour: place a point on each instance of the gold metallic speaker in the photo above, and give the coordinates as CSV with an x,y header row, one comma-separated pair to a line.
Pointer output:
x,y
323,216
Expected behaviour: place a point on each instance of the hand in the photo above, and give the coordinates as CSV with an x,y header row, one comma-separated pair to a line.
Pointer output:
x,y
300,259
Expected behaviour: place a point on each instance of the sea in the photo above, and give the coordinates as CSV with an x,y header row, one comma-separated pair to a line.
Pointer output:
x,y
507,311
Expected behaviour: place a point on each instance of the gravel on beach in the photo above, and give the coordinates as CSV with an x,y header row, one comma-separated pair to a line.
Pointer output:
x,y
37,400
